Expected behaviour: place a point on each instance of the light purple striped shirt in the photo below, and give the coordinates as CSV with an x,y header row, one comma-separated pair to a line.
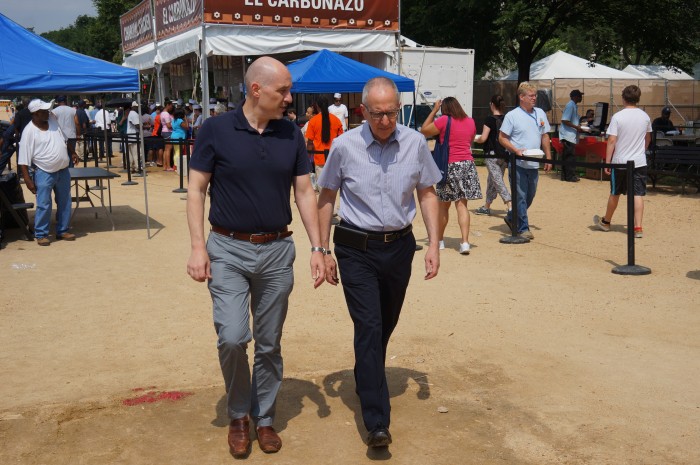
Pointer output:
x,y
377,182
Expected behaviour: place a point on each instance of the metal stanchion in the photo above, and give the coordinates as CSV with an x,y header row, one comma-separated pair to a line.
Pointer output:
x,y
631,268
126,168
514,237
183,145
127,162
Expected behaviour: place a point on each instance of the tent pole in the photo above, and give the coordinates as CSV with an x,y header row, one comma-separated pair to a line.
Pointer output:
x,y
204,65
143,165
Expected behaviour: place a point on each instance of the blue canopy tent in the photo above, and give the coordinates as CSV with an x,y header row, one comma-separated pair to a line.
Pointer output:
x,y
30,64
329,72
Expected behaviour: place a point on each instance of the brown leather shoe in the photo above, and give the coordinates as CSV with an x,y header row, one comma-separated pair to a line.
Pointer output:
x,y
66,237
239,437
268,439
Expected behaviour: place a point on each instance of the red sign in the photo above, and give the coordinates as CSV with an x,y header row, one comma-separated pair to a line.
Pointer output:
x,y
174,16
324,14
137,26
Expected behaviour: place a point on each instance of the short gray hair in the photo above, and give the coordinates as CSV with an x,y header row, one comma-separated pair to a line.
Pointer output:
x,y
378,81
220,108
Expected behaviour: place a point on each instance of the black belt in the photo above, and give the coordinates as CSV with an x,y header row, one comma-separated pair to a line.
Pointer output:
x,y
254,238
385,236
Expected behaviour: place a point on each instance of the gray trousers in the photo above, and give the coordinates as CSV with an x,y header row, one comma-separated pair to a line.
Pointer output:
x,y
250,280
494,183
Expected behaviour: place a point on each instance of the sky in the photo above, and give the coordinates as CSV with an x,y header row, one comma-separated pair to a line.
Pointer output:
x,y
46,15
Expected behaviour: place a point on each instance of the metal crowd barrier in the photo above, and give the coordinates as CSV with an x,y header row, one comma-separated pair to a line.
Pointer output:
x,y
631,268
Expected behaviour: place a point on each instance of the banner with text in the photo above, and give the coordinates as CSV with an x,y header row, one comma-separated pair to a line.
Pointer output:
x,y
324,14
137,26
174,16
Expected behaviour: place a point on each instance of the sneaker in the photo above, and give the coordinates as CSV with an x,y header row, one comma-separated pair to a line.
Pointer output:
x,y
483,210
638,233
527,234
464,248
600,223
44,241
508,223
441,245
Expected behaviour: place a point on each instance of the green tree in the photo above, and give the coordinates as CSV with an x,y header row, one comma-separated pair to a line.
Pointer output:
x,y
454,23
100,36
649,32
525,27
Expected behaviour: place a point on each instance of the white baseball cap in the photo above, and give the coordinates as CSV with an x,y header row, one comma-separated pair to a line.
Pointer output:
x,y
134,104
38,104
336,95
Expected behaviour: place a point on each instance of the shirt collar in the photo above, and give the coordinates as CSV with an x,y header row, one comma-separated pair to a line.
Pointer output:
x,y
241,123
368,137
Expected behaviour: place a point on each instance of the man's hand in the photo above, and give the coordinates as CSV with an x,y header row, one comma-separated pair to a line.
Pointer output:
x,y
331,271
199,266
547,166
432,262
30,185
318,268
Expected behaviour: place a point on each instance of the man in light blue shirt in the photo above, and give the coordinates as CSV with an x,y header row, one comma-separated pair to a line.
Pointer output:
x,y
568,134
377,167
525,128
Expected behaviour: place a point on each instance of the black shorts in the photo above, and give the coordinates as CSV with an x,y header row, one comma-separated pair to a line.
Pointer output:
x,y
618,181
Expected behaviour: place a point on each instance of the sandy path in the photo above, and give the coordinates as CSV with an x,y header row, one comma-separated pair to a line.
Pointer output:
x,y
539,352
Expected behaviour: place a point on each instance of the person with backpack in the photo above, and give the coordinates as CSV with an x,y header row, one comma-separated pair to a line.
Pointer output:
x,y
495,185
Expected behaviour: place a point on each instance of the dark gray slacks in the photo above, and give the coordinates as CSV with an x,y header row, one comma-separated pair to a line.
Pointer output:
x,y
250,280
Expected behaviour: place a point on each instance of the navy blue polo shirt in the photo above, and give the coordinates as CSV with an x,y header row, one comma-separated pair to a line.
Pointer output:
x,y
252,173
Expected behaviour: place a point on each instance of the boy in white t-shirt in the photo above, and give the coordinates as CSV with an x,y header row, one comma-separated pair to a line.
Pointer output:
x,y
629,135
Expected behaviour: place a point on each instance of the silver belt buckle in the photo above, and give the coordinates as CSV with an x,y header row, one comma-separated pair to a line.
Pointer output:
x,y
255,235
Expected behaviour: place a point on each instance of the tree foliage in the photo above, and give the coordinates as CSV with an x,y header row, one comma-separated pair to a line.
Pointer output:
x,y
514,33
98,37
504,34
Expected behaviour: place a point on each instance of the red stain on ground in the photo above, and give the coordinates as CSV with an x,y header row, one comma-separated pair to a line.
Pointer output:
x,y
155,396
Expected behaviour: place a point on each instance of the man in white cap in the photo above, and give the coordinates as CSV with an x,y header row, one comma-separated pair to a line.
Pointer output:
x,y
44,148
339,110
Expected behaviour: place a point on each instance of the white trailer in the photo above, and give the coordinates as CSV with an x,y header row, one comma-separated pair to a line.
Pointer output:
x,y
438,73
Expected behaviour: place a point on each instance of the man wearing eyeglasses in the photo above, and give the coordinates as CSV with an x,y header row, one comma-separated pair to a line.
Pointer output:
x,y
339,110
377,167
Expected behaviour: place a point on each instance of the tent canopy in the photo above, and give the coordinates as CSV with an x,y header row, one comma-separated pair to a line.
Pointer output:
x,y
562,65
30,64
657,72
328,72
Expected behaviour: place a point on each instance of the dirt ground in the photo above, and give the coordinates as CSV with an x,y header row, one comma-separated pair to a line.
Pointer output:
x,y
539,354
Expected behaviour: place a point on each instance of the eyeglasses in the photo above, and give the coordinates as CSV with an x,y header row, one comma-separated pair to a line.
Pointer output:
x,y
379,115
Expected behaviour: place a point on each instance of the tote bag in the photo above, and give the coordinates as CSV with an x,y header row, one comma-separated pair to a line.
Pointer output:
x,y
441,152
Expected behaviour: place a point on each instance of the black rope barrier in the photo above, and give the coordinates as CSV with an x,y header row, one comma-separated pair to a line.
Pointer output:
x,y
631,268
184,149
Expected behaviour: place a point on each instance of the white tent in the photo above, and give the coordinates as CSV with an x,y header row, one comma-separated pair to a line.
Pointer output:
x,y
231,40
657,72
562,65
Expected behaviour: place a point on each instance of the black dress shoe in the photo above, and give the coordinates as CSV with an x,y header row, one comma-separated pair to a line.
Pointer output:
x,y
379,437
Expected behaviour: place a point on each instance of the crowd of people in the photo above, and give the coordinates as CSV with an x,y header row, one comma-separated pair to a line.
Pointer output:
x,y
249,159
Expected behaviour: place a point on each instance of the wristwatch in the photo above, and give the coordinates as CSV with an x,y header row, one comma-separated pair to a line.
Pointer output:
x,y
318,249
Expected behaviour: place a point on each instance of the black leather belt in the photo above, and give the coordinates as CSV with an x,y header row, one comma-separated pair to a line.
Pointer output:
x,y
390,236
254,238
